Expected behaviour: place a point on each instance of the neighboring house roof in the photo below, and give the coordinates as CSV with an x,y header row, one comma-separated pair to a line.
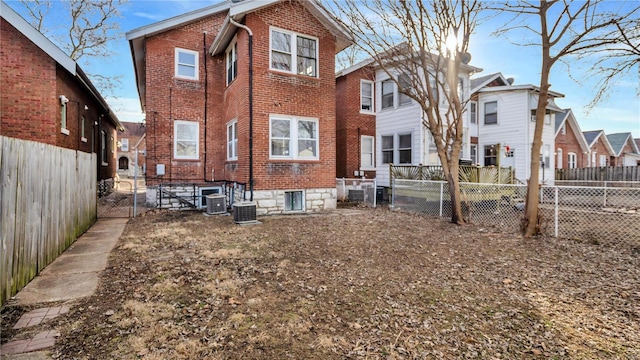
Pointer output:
x,y
56,54
480,82
133,129
618,141
637,141
593,136
236,12
566,116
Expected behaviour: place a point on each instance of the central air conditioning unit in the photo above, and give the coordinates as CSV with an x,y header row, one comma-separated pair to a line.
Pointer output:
x,y
356,195
216,204
244,212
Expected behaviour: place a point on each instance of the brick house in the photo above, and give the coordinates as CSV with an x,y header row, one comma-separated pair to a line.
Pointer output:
x,y
130,140
571,148
46,97
600,152
625,151
355,122
218,109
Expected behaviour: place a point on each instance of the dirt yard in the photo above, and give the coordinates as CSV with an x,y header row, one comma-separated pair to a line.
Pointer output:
x,y
356,284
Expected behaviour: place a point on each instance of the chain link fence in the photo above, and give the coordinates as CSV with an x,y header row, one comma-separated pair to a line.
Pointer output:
x,y
358,191
592,214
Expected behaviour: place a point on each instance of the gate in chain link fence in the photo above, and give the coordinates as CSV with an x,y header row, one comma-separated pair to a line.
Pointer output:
x,y
357,190
593,214
116,199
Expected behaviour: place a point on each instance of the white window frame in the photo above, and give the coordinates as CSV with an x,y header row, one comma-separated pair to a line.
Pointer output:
x,y
563,129
370,165
63,121
572,160
196,124
473,114
392,93
602,160
484,112
103,148
231,61
83,130
124,144
473,149
293,137
593,163
391,149
410,148
195,66
559,159
402,98
545,155
372,96
294,52
232,140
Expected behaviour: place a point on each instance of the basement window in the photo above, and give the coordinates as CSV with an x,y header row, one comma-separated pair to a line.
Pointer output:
x,y
293,201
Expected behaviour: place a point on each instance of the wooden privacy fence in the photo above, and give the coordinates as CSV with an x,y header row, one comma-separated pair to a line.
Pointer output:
x,y
47,200
610,173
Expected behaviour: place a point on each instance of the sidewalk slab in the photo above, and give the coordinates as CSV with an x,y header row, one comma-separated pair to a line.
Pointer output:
x,y
37,316
41,341
76,264
48,288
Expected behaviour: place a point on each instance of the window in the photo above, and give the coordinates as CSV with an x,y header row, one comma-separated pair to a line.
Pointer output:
x,y
232,62
387,149
545,158
82,129
405,83
491,112
294,53
124,145
474,153
571,160
460,89
103,147
185,140
366,153
563,129
63,122
404,149
559,160
232,140
490,155
387,94
293,201
186,64
366,96
473,110
593,159
603,160
293,138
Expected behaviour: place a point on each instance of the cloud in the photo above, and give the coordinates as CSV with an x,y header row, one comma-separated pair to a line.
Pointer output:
x,y
126,109
149,16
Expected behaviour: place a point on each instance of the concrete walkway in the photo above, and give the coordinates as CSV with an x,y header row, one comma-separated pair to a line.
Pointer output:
x,y
73,275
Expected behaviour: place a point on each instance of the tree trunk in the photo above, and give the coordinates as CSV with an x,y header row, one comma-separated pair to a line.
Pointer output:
x,y
456,204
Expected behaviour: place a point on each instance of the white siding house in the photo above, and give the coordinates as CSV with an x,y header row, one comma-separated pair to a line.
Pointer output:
x,y
505,128
399,124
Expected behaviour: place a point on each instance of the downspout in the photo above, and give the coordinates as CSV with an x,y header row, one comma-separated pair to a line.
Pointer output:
x,y
206,88
250,103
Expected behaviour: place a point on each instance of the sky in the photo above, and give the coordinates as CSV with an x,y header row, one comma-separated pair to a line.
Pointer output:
x,y
618,112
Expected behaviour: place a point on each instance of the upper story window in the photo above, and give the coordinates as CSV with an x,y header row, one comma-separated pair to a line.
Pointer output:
x,y
185,140
294,53
473,112
563,129
63,117
124,144
366,96
232,140
405,83
186,64
490,113
232,62
103,147
387,94
293,138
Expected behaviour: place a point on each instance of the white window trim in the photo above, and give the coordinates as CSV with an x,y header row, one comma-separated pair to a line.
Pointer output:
x,y
103,148
373,102
63,119
560,160
473,120
232,50
294,52
474,159
293,137
602,163
572,164
124,144
484,113
394,94
398,148
196,65
233,142
175,140
372,165
392,149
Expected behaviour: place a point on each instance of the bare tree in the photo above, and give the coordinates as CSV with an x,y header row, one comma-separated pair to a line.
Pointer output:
x,y
420,45
567,30
92,24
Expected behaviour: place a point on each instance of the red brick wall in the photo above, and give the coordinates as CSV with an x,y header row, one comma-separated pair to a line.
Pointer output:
x,y
569,143
350,121
28,101
601,149
274,93
619,161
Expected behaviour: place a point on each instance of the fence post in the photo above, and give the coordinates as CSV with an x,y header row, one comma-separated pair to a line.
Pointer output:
x,y
441,199
556,211
375,192
605,194
393,193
